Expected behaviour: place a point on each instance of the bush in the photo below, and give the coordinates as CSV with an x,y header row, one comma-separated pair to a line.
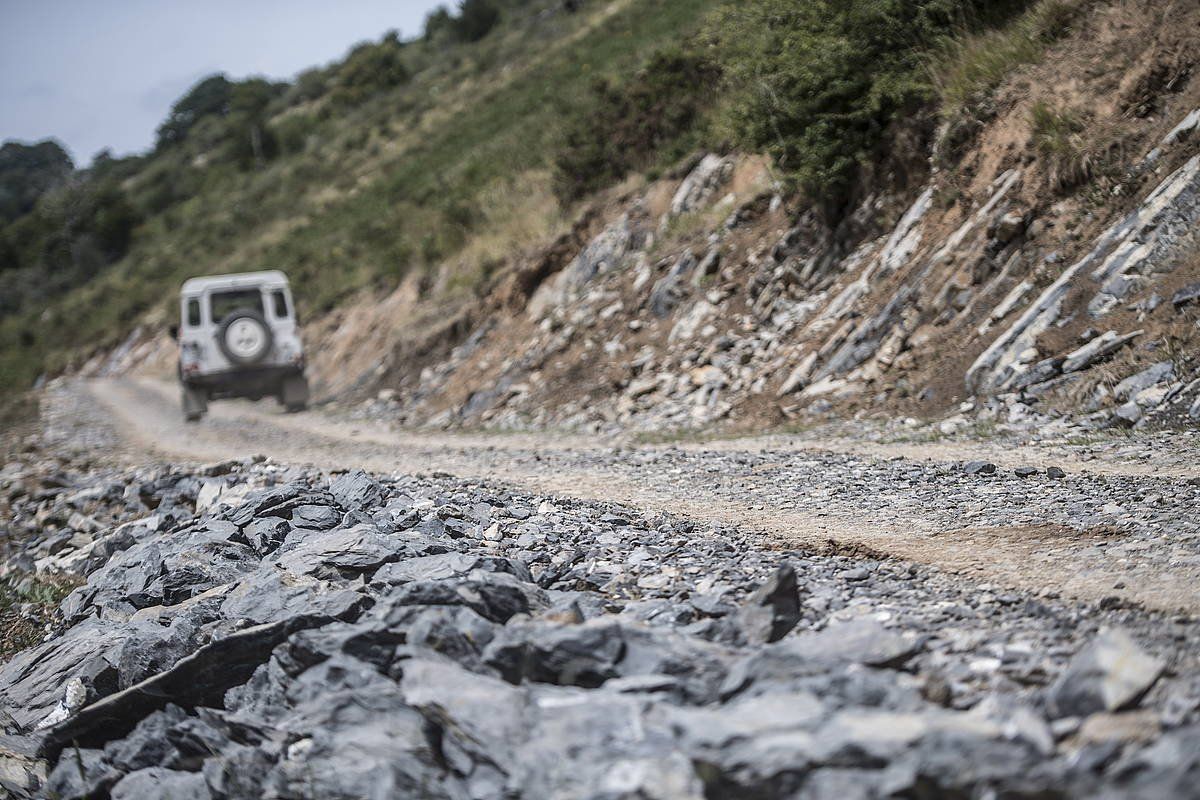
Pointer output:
x,y
967,68
209,97
438,22
69,237
251,142
27,171
370,68
310,85
628,127
476,18
817,84
293,131
1057,136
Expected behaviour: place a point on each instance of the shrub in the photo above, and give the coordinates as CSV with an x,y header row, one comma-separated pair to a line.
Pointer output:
x,y
293,131
310,84
27,171
966,68
209,97
113,221
438,22
370,68
1057,136
251,142
817,84
629,126
476,18
68,238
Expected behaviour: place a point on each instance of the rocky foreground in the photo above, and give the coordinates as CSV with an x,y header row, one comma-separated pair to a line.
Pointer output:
x,y
250,630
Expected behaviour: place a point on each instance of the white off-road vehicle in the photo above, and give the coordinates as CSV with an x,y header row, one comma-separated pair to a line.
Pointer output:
x,y
238,337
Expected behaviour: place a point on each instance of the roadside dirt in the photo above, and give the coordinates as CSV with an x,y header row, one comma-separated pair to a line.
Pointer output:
x,y
145,416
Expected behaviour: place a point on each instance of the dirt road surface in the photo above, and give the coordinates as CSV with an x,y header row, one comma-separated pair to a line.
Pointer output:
x,y
1113,530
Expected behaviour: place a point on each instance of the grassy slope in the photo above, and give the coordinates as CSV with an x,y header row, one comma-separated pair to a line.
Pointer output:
x,y
407,180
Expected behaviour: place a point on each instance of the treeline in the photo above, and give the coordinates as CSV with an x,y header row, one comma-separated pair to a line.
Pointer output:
x,y
60,227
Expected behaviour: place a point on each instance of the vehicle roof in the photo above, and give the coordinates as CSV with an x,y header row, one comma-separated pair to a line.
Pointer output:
x,y
268,279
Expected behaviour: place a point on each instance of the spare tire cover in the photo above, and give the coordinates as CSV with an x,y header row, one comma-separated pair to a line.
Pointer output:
x,y
244,337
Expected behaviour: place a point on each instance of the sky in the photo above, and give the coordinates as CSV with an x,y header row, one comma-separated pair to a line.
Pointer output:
x,y
98,74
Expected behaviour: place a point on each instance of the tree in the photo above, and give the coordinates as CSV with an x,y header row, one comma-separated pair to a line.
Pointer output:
x,y
370,68
437,22
209,97
27,171
476,18
252,144
112,221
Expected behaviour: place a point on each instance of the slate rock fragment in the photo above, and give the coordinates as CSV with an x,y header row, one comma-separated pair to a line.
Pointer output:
x,y
1111,673
773,609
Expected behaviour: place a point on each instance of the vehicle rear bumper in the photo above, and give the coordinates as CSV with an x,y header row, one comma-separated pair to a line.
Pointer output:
x,y
255,381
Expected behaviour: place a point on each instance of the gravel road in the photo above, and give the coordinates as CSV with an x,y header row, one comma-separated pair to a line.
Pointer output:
x,y
240,611
1117,527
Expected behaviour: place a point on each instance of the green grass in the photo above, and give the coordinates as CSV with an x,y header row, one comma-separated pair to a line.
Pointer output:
x,y
968,68
1057,136
16,632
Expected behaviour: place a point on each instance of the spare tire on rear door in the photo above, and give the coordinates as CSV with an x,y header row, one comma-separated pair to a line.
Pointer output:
x,y
244,337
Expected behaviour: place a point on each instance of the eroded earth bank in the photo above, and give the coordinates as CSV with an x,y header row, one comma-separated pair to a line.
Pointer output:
x,y
256,627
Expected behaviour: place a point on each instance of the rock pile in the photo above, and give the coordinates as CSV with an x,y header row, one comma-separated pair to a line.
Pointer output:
x,y
279,632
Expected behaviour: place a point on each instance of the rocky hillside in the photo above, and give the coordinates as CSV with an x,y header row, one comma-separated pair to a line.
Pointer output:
x,y
1035,266
1047,267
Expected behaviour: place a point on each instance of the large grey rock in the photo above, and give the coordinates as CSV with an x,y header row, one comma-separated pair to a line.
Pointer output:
x,y
600,744
316,517
1097,349
1110,674
700,184
859,642
1185,296
594,652
356,490
271,594
668,290
1156,373
32,683
444,566
160,784
201,678
334,554
805,662
352,734
483,721
85,774
773,609
494,596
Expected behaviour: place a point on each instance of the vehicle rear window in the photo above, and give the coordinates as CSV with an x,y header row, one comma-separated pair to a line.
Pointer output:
x,y
280,303
193,313
225,303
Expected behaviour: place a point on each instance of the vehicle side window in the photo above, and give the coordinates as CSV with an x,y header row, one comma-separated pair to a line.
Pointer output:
x,y
193,313
279,302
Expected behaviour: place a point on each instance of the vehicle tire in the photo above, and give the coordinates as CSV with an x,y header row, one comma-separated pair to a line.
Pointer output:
x,y
294,393
195,403
244,337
